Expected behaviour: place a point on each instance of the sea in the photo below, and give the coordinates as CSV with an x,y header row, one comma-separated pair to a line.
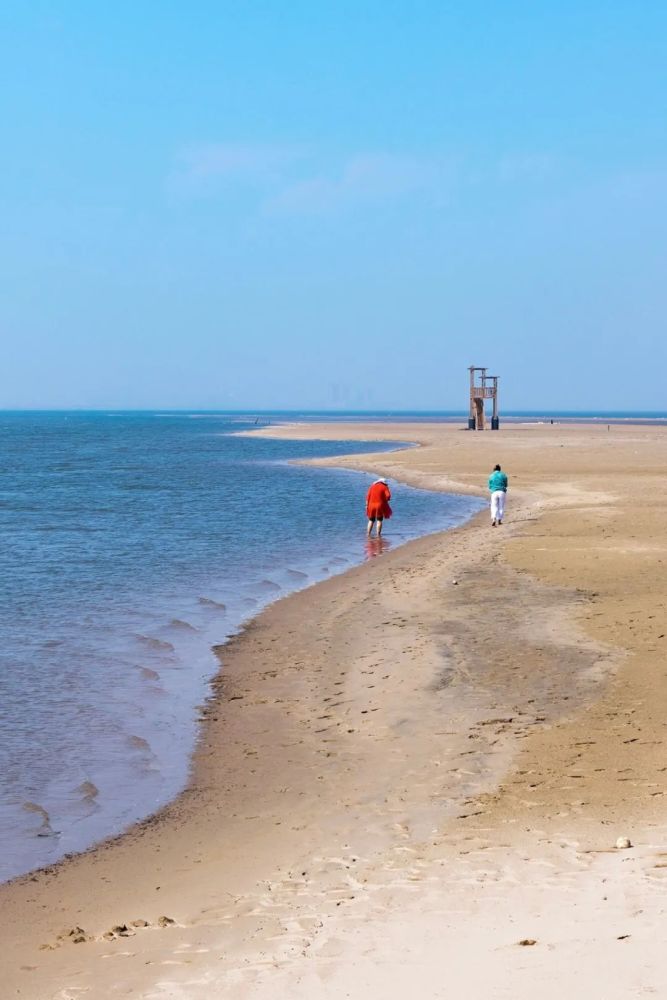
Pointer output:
x,y
131,544
639,417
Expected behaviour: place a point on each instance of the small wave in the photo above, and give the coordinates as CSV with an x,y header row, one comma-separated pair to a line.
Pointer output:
x,y
296,574
88,790
139,743
148,640
180,624
34,807
87,805
269,586
52,643
208,602
149,675
45,830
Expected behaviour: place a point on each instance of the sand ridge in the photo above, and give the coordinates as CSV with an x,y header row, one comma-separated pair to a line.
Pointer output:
x,y
399,775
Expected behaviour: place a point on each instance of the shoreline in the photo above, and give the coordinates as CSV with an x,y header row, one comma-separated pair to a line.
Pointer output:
x,y
383,796
308,569
216,680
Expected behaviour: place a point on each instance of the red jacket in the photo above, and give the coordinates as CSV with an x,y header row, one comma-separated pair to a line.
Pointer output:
x,y
377,501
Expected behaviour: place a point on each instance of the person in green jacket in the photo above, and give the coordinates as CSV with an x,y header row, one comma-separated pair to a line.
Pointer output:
x,y
498,488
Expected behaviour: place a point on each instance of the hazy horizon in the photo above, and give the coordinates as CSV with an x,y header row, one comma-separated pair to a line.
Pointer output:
x,y
308,411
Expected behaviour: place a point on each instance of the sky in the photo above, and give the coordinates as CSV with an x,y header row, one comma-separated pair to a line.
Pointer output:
x,y
332,205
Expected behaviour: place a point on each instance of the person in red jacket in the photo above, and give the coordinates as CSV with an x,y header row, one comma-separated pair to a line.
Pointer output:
x,y
377,505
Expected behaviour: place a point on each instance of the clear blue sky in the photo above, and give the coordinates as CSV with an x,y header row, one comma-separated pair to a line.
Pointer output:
x,y
301,204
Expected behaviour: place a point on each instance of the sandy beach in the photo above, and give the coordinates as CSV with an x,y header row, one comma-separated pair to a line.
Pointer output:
x,y
411,778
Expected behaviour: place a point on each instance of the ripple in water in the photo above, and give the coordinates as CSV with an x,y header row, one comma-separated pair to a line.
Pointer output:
x,y
207,602
158,644
296,575
178,624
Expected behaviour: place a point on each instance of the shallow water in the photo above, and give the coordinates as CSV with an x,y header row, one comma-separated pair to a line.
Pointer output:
x,y
131,543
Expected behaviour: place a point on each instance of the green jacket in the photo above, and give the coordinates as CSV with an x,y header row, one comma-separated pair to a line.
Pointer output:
x,y
498,481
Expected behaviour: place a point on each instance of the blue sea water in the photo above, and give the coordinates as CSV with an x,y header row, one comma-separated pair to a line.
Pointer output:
x,y
131,543
461,416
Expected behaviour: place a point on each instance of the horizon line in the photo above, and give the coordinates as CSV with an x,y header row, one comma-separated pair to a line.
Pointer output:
x,y
462,412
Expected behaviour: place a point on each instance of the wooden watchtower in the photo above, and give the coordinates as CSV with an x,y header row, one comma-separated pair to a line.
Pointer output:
x,y
482,387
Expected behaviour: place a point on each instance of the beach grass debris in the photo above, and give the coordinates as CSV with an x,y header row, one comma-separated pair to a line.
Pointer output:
x,y
527,942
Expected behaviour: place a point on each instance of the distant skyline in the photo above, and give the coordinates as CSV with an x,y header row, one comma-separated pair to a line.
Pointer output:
x,y
271,206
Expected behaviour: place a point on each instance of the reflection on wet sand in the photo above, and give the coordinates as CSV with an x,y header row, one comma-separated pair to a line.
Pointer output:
x,y
376,546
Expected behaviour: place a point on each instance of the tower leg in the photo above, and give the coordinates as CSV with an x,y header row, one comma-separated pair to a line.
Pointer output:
x,y
479,414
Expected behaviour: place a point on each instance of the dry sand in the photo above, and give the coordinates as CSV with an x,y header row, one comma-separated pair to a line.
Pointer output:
x,y
406,786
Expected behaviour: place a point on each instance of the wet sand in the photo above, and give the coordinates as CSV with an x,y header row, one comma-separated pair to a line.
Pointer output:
x,y
406,784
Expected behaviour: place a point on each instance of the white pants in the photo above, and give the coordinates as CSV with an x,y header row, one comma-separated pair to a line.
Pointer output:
x,y
498,505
